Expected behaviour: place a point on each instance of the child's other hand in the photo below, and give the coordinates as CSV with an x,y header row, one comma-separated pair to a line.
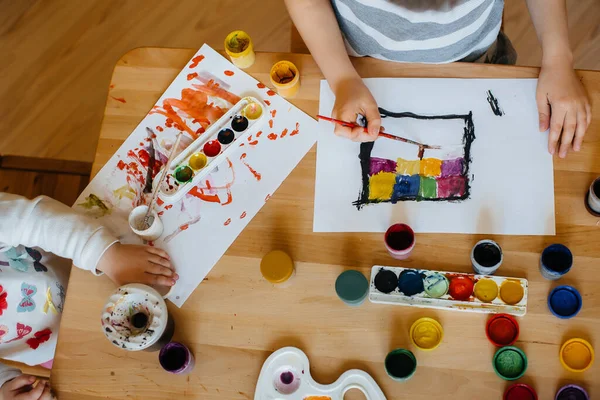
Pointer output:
x,y
21,388
352,97
127,263
563,107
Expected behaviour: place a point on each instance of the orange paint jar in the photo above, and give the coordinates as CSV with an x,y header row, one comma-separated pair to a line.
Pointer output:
x,y
285,76
239,48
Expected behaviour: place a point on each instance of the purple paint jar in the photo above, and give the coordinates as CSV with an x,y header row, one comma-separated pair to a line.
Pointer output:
x,y
572,392
176,358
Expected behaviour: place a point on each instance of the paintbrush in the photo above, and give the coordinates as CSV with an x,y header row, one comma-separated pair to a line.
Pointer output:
x,y
160,181
381,134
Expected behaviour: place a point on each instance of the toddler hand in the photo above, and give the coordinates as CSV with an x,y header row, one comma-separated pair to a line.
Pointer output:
x,y
352,97
21,388
127,263
563,107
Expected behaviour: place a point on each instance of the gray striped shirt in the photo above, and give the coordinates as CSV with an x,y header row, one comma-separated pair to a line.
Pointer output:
x,y
427,31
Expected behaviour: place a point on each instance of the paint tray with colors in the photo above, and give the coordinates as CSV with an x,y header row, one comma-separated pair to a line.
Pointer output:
x,y
448,290
211,148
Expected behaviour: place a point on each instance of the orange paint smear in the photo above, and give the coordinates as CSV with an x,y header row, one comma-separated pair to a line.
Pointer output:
x,y
227,222
160,213
228,72
254,143
192,76
250,138
267,102
168,207
243,215
272,136
196,60
284,132
271,123
160,202
122,100
159,128
258,134
112,86
271,93
256,174
296,131
261,85
273,113
198,192
184,227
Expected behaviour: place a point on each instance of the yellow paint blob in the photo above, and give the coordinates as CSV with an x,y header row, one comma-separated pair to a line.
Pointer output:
x,y
408,167
252,111
431,167
426,333
576,355
381,186
277,267
511,292
486,290
198,161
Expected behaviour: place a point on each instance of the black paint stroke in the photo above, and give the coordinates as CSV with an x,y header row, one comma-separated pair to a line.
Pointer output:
x,y
151,160
367,147
494,104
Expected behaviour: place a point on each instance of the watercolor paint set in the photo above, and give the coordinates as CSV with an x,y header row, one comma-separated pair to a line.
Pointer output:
x,y
211,148
448,290
285,375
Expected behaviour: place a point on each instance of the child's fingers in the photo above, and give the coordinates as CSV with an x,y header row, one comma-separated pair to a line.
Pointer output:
x,y
33,394
47,393
20,381
158,252
580,131
556,125
543,111
342,131
568,132
373,120
159,280
159,261
159,270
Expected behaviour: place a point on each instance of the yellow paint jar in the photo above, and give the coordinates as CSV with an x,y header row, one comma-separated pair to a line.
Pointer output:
x,y
285,76
426,333
576,355
277,267
239,48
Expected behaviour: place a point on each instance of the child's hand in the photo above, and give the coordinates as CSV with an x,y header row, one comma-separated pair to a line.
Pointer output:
x,y
21,388
563,107
127,263
352,97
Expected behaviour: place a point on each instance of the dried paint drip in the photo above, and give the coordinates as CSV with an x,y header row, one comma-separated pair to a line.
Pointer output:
x,y
226,136
486,290
410,282
386,281
212,148
436,285
239,123
461,288
511,292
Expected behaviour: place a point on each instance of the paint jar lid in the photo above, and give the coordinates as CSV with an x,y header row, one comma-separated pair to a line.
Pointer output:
x,y
426,333
572,392
352,287
564,301
576,355
502,330
276,266
520,391
510,363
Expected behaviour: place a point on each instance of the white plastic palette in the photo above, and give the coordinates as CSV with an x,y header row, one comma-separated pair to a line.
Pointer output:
x,y
447,302
211,148
286,376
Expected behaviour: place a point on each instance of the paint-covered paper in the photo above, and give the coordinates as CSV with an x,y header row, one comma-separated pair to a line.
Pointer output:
x,y
199,228
492,173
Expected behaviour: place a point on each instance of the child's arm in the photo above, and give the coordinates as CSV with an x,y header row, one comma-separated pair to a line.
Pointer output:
x,y
562,102
56,228
17,386
318,26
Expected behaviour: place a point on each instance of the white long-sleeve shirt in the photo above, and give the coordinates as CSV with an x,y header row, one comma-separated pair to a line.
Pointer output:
x,y
36,236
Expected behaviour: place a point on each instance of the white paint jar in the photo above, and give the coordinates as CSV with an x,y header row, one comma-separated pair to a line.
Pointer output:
x,y
136,221
593,198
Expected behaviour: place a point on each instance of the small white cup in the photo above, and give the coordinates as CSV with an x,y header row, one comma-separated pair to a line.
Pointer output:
x,y
593,198
136,219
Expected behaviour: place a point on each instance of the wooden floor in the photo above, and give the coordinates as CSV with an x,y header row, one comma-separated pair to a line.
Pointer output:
x,y
58,55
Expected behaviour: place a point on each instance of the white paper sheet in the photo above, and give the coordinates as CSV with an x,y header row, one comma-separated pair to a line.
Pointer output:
x,y
199,228
510,176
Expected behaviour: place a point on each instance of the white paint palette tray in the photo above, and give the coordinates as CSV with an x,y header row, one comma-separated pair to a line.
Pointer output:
x,y
211,148
448,290
286,376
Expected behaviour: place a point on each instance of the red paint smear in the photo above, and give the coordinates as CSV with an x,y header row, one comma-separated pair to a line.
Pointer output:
x,y
267,198
249,138
256,174
271,93
121,165
160,213
461,288
184,227
141,143
296,131
159,128
258,134
168,207
284,132
192,76
160,202
227,222
253,143
272,136
241,144
243,215
198,192
267,102
273,113
122,100
261,85
196,60
271,123
228,72
112,86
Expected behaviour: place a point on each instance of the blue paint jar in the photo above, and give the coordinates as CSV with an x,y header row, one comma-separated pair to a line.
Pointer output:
x,y
564,302
556,261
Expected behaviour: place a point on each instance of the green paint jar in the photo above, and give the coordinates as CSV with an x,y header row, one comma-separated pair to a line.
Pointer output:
x,y
510,363
352,287
400,365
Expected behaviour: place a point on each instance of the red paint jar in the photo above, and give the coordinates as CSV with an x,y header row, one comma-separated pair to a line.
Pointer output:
x,y
502,330
520,391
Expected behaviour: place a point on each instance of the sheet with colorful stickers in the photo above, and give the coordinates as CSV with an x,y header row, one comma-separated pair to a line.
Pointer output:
x,y
200,227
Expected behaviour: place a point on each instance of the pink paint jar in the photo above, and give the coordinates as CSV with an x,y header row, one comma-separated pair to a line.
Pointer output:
x,y
399,241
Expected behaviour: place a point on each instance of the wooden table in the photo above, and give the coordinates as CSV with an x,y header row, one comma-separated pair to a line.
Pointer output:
x,y
235,319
